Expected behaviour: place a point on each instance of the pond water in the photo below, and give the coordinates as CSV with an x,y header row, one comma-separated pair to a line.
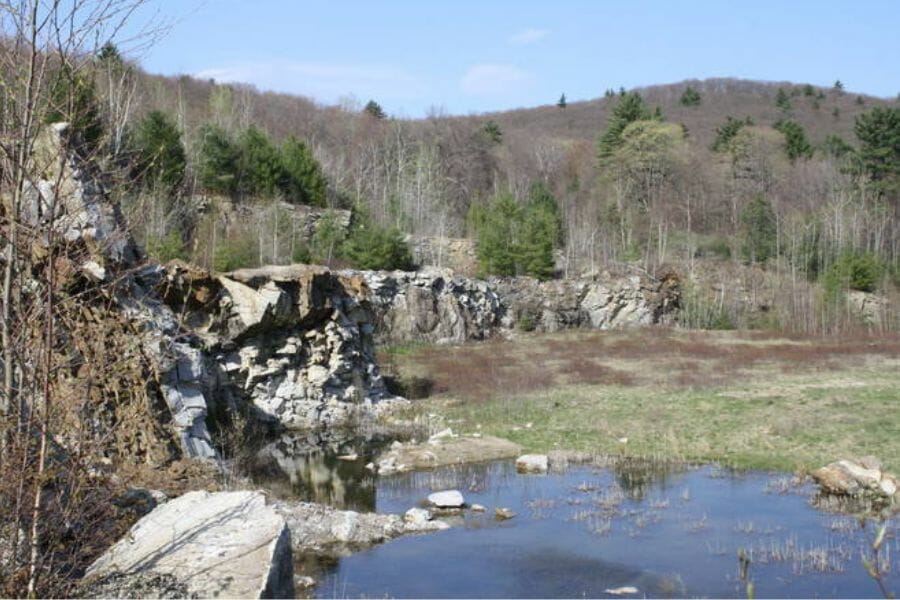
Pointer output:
x,y
669,531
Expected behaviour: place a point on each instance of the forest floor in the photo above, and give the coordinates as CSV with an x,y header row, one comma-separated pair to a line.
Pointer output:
x,y
753,400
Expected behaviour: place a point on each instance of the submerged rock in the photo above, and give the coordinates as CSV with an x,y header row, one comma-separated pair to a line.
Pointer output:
x,y
503,514
226,544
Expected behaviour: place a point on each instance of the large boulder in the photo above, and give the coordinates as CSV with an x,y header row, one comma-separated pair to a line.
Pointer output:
x,y
856,478
225,544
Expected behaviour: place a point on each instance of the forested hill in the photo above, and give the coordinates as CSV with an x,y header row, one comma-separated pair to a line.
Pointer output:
x,y
821,111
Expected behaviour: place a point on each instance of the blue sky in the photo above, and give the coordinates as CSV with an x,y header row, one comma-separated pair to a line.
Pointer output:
x,y
465,56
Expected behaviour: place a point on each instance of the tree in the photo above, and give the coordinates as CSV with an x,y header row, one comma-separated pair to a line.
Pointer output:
x,y
726,132
497,235
259,164
838,87
561,103
160,154
218,160
492,132
782,100
809,91
690,97
647,156
73,99
630,108
759,224
371,246
374,110
795,143
541,232
878,131
301,178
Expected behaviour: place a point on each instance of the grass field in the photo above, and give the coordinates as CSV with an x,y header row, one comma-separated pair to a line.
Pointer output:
x,y
745,399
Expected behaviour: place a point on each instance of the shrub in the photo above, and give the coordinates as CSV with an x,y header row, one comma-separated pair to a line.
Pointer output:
x,y
855,271
371,246
235,254
165,248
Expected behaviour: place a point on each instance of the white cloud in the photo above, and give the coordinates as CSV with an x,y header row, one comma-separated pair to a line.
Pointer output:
x,y
323,81
491,79
527,36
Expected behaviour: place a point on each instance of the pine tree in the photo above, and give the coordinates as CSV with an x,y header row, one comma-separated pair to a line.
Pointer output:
x,y
758,220
690,97
782,100
259,164
795,143
726,132
561,103
629,109
374,110
838,87
160,153
73,99
492,132
301,178
371,246
218,161
878,131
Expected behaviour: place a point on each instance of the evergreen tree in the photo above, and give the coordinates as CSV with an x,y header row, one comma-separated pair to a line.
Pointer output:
x,y
492,132
259,164
795,143
726,132
690,97
497,231
809,91
218,160
541,232
371,246
373,109
160,153
838,87
629,109
860,101
562,101
782,100
758,220
301,177
878,131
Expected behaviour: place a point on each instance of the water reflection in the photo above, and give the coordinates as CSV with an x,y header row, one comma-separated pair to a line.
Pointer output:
x,y
319,467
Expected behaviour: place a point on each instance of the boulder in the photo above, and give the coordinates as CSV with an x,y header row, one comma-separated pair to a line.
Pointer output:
x,y
854,478
532,463
447,499
225,544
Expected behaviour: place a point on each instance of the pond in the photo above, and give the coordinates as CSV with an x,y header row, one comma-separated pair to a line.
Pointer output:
x,y
668,531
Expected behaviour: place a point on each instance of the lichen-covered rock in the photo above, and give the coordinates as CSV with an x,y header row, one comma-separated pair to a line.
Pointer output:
x,y
226,544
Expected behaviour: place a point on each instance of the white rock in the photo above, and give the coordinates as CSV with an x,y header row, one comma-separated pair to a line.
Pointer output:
x,y
226,544
441,435
532,463
417,516
621,591
447,499
478,508
888,486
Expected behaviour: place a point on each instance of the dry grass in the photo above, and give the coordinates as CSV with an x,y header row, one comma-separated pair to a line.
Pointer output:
x,y
744,399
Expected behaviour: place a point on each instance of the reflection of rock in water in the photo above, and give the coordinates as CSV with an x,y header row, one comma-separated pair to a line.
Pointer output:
x,y
306,467
636,476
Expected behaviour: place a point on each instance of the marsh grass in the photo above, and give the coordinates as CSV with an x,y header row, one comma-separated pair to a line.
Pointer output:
x,y
744,399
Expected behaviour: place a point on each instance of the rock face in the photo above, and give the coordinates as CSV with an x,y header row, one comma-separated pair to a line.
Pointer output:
x,y
434,306
854,478
227,544
295,342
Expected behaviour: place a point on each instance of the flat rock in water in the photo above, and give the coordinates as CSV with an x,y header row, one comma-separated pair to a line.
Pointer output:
x,y
447,499
452,451
224,544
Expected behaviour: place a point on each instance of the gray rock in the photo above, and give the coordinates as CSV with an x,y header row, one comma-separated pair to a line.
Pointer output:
x,y
226,544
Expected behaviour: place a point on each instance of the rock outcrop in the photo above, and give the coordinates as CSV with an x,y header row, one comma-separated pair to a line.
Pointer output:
x,y
295,342
434,306
226,544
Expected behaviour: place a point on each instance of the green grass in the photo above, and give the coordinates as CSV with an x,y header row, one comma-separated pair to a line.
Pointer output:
x,y
756,418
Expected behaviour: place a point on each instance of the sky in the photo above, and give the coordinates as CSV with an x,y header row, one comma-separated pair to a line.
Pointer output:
x,y
464,57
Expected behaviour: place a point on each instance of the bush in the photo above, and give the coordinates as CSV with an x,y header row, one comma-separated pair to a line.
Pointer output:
x,y
235,254
371,246
165,248
855,271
